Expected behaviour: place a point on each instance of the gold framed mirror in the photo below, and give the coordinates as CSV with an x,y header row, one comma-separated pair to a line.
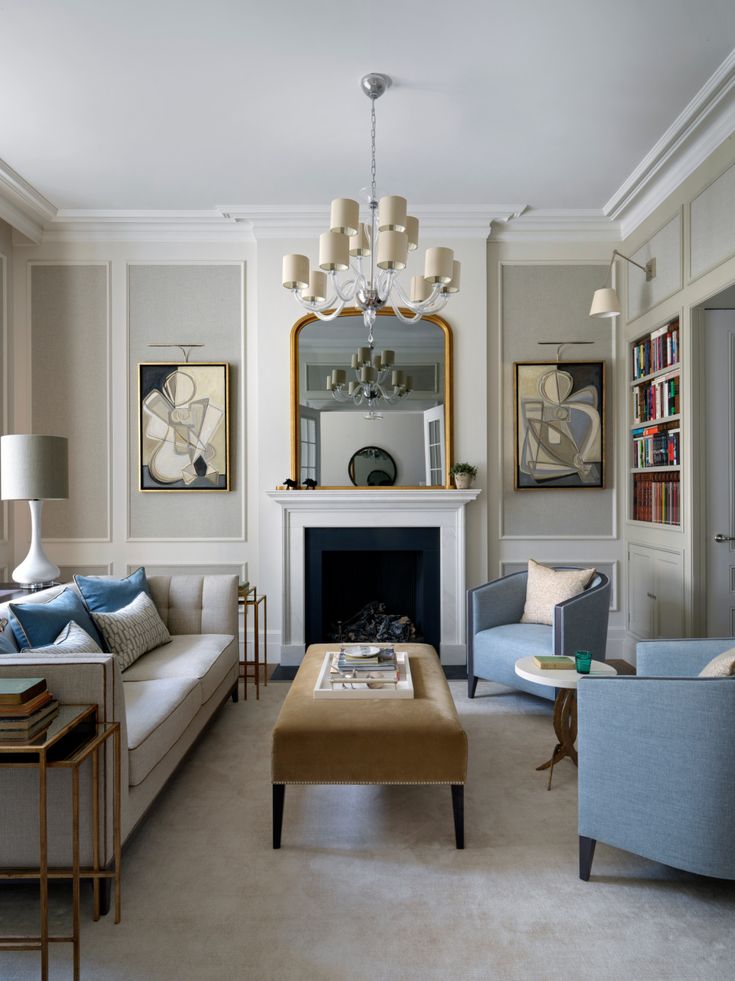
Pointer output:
x,y
395,396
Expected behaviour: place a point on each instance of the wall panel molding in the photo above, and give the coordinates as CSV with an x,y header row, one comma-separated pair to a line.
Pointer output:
x,y
712,225
31,266
666,247
238,405
504,384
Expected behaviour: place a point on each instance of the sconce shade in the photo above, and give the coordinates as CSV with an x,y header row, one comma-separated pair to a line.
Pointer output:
x,y
605,303
34,468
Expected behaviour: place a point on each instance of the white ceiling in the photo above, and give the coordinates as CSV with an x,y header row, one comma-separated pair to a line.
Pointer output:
x,y
175,104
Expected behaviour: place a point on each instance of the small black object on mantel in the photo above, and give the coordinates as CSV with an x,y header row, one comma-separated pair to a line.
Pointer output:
x,y
310,483
290,484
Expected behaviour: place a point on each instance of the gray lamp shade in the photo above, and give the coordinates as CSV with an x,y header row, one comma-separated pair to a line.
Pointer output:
x,y
34,468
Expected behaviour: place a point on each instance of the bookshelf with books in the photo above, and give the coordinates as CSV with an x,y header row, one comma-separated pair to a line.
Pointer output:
x,y
655,426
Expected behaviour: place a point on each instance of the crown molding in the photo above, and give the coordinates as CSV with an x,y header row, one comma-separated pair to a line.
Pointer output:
x,y
702,126
22,206
93,225
567,225
307,221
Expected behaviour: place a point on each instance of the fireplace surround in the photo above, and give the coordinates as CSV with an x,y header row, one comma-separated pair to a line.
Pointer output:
x,y
439,509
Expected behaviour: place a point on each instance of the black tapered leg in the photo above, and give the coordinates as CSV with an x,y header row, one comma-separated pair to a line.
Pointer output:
x,y
586,854
458,809
471,685
279,793
236,691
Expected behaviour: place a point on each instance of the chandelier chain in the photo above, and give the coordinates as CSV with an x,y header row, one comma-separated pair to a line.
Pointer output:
x,y
372,151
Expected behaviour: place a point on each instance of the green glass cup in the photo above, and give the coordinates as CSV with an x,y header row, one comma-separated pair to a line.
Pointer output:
x,y
582,661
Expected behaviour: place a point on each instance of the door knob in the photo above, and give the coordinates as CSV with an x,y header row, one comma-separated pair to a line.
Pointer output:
x,y
724,538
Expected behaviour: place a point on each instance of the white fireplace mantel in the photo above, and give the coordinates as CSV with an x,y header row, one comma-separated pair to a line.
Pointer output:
x,y
386,508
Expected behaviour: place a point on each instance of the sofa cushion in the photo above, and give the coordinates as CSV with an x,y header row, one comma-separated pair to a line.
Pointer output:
x,y
38,624
134,630
546,587
104,595
71,640
206,657
157,713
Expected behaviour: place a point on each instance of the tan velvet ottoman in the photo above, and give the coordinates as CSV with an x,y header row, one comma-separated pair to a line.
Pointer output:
x,y
370,741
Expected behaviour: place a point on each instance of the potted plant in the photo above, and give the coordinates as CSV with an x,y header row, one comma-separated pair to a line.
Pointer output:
x,y
464,474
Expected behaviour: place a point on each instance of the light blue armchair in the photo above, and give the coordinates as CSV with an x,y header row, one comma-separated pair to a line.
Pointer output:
x,y
656,760
496,638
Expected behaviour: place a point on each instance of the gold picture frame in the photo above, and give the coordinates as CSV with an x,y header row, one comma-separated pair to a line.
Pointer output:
x,y
184,426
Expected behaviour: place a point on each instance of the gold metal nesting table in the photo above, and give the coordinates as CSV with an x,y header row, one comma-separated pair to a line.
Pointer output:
x,y
73,736
251,600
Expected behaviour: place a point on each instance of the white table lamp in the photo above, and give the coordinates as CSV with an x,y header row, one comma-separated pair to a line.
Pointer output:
x,y
34,469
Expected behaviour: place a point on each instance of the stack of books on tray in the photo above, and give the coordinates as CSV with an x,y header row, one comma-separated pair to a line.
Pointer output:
x,y
365,665
27,707
555,662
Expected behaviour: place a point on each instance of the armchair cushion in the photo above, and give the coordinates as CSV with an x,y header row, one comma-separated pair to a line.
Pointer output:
x,y
721,666
547,587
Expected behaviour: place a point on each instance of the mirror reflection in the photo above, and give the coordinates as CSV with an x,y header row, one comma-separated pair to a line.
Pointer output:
x,y
349,397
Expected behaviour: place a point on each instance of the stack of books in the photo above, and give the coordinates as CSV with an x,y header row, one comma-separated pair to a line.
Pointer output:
x,y
358,666
555,662
27,707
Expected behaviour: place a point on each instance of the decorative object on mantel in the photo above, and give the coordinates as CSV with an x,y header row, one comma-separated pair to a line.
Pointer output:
x,y
383,241
376,379
463,474
184,426
290,484
310,483
605,302
34,468
559,431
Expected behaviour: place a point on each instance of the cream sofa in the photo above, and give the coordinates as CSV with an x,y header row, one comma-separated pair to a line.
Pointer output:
x,y
162,702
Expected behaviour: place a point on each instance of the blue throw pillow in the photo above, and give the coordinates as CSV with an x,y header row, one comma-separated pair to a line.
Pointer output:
x,y
110,595
39,624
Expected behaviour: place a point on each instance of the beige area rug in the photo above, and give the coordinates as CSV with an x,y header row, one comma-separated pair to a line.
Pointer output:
x,y
368,884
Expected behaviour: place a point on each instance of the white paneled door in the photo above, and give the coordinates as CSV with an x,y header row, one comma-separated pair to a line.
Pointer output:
x,y
719,380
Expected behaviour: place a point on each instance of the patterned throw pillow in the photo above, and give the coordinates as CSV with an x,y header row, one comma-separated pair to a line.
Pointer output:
x,y
71,640
134,630
547,587
722,666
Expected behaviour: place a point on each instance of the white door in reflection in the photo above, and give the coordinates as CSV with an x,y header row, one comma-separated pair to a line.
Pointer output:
x,y
434,446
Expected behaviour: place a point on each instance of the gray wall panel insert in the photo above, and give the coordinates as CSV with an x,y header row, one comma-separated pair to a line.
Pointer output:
x,y
713,224
540,303
69,338
179,303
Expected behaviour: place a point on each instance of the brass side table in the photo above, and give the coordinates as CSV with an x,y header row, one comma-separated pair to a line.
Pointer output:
x,y
251,600
73,736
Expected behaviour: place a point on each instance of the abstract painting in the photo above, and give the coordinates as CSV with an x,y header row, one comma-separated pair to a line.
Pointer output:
x,y
559,424
184,426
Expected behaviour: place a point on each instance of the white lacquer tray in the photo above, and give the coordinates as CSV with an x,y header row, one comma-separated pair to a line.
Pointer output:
x,y
403,689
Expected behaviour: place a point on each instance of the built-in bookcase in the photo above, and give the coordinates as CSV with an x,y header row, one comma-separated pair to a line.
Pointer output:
x,y
655,426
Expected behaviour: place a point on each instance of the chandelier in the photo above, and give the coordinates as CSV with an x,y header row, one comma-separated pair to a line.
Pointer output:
x,y
376,379
372,253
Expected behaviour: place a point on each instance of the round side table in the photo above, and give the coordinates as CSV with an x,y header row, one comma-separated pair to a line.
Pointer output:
x,y
565,704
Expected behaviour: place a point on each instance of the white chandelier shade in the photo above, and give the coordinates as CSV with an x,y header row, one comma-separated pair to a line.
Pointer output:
x,y
373,253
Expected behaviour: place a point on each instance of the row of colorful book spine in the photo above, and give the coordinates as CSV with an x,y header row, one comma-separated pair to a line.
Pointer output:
x,y
656,498
659,350
656,447
657,399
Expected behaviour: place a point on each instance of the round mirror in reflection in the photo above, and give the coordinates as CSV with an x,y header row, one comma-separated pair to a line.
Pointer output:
x,y
372,467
